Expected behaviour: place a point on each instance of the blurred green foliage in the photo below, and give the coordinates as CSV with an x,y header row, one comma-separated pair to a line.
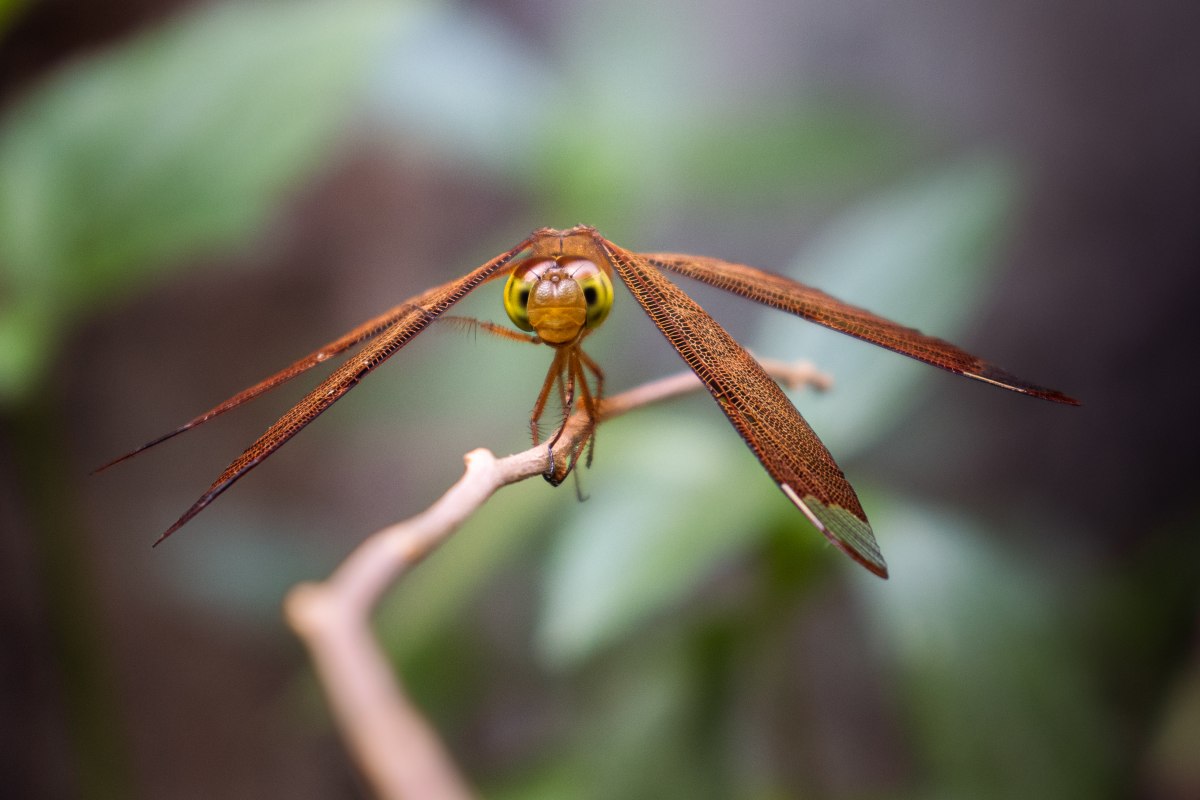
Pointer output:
x,y
708,503
989,660
9,9
178,143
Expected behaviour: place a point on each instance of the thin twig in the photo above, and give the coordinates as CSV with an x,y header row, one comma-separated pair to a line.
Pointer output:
x,y
389,739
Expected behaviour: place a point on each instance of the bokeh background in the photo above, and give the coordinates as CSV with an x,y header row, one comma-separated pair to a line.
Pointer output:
x,y
194,194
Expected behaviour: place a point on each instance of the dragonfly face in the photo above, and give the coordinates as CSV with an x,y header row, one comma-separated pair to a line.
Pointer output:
x,y
560,288
559,298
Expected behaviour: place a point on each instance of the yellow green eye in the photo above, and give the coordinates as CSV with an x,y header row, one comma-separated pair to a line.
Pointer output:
x,y
520,285
596,287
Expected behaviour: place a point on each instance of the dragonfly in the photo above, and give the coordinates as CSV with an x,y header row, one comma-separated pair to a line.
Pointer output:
x,y
559,290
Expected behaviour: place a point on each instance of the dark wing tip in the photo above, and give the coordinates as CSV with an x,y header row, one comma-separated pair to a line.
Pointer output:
x,y
235,470
196,508
143,448
998,377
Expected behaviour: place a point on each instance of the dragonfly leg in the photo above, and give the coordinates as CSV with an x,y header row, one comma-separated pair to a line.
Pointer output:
x,y
573,377
539,407
591,400
472,325
565,379
555,376
588,404
566,392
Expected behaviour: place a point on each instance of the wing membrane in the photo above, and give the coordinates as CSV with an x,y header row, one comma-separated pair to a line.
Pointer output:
x,y
367,330
410,319
767,421
816,306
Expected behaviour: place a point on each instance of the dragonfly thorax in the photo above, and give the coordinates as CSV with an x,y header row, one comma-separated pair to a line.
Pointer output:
x,y
558,298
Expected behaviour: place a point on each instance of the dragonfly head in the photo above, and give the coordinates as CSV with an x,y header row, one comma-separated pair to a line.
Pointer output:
x,y
558,298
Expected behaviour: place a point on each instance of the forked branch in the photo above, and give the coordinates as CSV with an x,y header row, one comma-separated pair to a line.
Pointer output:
x,y
393,746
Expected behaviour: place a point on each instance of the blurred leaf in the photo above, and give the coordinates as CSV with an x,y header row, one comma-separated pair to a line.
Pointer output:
x,y
28,331
466,87
9,10
663,124
645,731
679,498
176,142
452,91
430,601
1001,698
554,780
918,254
1174,769
695,157
811,148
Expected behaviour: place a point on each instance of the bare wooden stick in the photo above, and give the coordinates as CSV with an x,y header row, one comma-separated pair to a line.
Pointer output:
x,y
389,739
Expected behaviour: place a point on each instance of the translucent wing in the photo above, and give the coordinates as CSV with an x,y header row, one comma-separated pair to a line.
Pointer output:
x,y
406,321
767,421
816,306
367,330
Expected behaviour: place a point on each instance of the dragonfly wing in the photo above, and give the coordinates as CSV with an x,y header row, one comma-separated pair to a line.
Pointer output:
x,y
367,330
759,410
410,319
816,306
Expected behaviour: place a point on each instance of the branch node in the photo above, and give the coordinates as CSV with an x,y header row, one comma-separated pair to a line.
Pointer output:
x,y
479,458
307,608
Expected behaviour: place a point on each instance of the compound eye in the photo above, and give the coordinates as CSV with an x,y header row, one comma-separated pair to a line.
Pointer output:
x,y
596,286
519,287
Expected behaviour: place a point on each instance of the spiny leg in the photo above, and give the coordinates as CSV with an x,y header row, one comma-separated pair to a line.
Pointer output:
x,y
588,406
589,436
539,407
566,392
565,380
591,400
573,376
472,325
573,372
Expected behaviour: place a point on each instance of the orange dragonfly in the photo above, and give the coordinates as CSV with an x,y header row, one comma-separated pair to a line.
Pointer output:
x,y
559,291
